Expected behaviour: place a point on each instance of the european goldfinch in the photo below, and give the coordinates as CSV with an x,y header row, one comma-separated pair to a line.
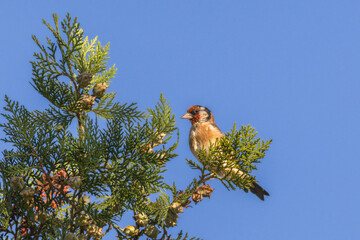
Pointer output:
x,y
203,131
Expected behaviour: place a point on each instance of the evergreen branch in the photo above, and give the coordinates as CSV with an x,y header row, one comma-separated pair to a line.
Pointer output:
x,y
105,76
17,129
242,150
186,237
109,110
193,165
58,117
47,70
119,167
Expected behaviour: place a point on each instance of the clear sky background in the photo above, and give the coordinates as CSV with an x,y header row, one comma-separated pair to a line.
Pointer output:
x,y
288,68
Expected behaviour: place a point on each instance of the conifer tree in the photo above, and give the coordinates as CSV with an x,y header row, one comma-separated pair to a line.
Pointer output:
x,y
57,183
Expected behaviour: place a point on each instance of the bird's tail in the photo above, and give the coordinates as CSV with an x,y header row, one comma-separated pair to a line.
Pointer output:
x,y
254,188
258,191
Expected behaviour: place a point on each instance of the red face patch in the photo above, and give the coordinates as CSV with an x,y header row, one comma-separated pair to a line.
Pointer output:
x,y
193,108
195,118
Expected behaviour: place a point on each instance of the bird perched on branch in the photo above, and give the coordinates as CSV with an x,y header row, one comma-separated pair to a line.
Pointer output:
x,y
203,132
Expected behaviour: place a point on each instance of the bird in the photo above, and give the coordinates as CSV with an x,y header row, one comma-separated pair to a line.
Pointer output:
x,y
205,132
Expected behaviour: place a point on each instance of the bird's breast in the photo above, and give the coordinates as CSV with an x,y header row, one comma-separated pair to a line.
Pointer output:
x,y
201,135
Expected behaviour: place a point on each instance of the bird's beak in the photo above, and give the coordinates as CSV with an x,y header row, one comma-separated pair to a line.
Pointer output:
x,y
187,116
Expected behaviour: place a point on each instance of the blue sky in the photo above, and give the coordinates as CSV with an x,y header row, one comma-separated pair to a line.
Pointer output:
x,y
288,68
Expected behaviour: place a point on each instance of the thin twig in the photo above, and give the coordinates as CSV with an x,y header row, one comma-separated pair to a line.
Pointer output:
x,y
35,154
39,231
72,211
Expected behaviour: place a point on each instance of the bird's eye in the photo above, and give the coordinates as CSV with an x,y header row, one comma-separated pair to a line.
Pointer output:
x,y
196,111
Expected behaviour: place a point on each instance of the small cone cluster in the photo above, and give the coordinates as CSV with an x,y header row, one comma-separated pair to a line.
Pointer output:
x,y
74,182
84,79
58,183
17,183
87,101
27,193
152,232
94,231
201,192
131,231
70,236
141,219
82,220
173,214
86,224
99,90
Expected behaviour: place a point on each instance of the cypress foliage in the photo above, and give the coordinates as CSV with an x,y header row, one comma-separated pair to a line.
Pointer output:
x,y
62,184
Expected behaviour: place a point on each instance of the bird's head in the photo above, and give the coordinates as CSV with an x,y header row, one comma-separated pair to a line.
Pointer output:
x,y
198,114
